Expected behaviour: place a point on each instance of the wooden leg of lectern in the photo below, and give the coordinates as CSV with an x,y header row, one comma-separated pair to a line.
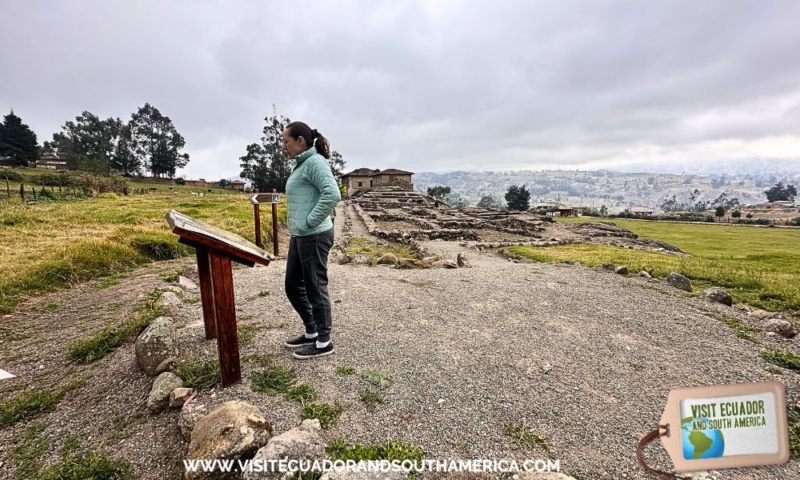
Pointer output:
x,y
227,338
206,292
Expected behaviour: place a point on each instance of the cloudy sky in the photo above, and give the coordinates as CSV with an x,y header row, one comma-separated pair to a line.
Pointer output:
x,y
423,85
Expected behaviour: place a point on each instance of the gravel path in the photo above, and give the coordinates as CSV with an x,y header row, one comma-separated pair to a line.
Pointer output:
x,y
582,357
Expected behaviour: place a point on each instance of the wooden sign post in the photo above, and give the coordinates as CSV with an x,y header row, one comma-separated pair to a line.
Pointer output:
x,y
215,249
257,199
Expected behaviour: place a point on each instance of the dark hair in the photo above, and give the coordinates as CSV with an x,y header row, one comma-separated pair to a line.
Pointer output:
x,y
300,129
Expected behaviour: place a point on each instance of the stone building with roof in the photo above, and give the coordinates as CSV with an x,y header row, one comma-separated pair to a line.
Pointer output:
x,y
365,178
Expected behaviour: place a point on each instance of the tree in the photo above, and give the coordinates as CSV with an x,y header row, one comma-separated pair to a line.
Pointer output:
x,y
267,164
719,211
17,141
88,143
749,215
124,160
488,201
156,142
439,192
736,214
779,192
603,210
518,198
337,163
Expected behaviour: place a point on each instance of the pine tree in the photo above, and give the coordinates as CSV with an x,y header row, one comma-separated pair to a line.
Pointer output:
x,y
156,142
17,141
518,198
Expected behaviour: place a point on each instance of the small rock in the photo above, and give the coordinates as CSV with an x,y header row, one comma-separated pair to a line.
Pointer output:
x,y
718,295
166,365
179,395
461,261
162,387
679,281
440,401
174,289
644,274
608,266
387,259
300,443
171,303
360,259
621,270
344,259
444,263
187,283
410,263
192,273
155,344
546,368
761,314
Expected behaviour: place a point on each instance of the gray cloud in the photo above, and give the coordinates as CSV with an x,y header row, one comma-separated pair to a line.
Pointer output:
x,y
423,85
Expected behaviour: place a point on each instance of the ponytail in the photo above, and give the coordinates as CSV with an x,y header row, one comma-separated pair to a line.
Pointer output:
x,y
312,138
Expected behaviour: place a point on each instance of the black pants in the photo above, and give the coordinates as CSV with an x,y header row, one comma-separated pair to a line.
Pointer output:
x,y
307,281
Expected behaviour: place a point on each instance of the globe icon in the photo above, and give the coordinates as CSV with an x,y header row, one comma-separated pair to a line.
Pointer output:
x,y
699,444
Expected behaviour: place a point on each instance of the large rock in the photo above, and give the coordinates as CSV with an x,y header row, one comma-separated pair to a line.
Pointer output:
x,y
679,281
162,387
155,344
718,295
781,327
300,443
621,270
190,414
233,430
187,283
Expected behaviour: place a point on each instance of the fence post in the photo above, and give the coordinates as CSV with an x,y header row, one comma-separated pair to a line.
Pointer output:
x,y
33,189
8,190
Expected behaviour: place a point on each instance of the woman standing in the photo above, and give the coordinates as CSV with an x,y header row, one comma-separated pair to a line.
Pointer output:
x,y
311,194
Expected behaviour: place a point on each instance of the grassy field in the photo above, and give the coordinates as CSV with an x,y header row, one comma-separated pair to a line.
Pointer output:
x,y
57,243
758,266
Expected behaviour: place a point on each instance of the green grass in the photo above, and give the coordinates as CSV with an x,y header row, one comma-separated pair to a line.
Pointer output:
x,y
274,380
794,432
197,374
781,358
27,453
302,393
377,378
373,250
71,242
327,414
371,398
523,435
758,266
94,348
390,450
51,307
27,404
346,370
88,466
263,293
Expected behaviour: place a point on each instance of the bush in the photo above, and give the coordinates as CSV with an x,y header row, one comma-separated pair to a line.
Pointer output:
x,y
11,175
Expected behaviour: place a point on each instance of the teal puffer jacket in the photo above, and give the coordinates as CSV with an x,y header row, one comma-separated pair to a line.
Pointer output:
x,y
311,194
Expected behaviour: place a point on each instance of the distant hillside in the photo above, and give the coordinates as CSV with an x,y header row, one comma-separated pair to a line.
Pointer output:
x,y
615,190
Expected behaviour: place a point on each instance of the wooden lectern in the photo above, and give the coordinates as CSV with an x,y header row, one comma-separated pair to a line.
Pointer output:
x,y
215,249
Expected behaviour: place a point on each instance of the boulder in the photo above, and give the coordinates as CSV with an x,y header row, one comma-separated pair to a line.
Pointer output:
x,y
621,270
679,281
190,414
718,295
781,327
162,387
233,430
300,443
155,344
